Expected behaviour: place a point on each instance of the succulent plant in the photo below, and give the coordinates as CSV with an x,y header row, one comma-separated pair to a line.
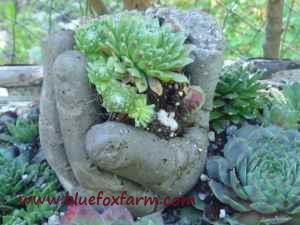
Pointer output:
x,y
284,109
24,131
19,178
127,52
259,176
114,215
238,96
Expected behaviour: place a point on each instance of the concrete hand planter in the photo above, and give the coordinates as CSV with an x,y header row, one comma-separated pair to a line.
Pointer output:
x,y
90,155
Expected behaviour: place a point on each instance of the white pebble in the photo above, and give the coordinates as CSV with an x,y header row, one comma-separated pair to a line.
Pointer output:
x,y
222,214
24,177
204,177
202,196
53,220
211,136
167,119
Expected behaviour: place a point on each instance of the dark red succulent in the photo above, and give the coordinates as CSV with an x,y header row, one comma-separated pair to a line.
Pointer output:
x,y
194,99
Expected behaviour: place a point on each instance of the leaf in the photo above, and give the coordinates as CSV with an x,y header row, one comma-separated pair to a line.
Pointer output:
x,y
10,10
236,185
227,197
156,86
263,208
231,96
215,115
115,213
276,220
199,203
218,103
141,84
168,76
218,168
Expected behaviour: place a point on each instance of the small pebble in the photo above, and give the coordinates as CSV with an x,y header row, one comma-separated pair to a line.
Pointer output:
x,y
200,150
202,196
211,136
214,146
53,220
231,130
24,177
204,177
222,214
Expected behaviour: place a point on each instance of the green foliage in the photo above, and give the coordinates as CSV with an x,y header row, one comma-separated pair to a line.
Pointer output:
x,y
33,214
284,110
34,20
20,30
238,97
243,24
18,178
259,176
127,51
23,131
185,4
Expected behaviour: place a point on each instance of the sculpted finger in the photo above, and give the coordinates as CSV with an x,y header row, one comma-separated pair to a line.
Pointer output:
x,y
50,135
78,111
170,167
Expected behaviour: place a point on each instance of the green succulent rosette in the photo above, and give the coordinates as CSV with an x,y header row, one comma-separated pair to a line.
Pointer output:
x,y
125,52
239,96
259,176
284,110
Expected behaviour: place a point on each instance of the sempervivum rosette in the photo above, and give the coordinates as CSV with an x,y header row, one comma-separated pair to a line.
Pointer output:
x,y
259,176
128,52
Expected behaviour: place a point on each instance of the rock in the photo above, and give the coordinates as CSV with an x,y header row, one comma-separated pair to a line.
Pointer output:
x,y
231,130
53,220
90,155
39,157
31,113
211,136
8,117
272,66
5,118
286,77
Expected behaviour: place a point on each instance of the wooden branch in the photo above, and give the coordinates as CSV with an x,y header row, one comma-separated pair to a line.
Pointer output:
x,y
97,7
274,28
137,4
20,76
6,99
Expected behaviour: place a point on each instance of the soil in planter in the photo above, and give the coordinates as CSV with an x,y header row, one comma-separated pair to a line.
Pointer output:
x,y
171,101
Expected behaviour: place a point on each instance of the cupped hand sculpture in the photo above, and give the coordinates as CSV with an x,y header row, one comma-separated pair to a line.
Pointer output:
x,y
91,156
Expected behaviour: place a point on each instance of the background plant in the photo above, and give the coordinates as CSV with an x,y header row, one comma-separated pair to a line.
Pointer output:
x,y
284,108
19,178
127,53
24,131
239,96
259,176
243,23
